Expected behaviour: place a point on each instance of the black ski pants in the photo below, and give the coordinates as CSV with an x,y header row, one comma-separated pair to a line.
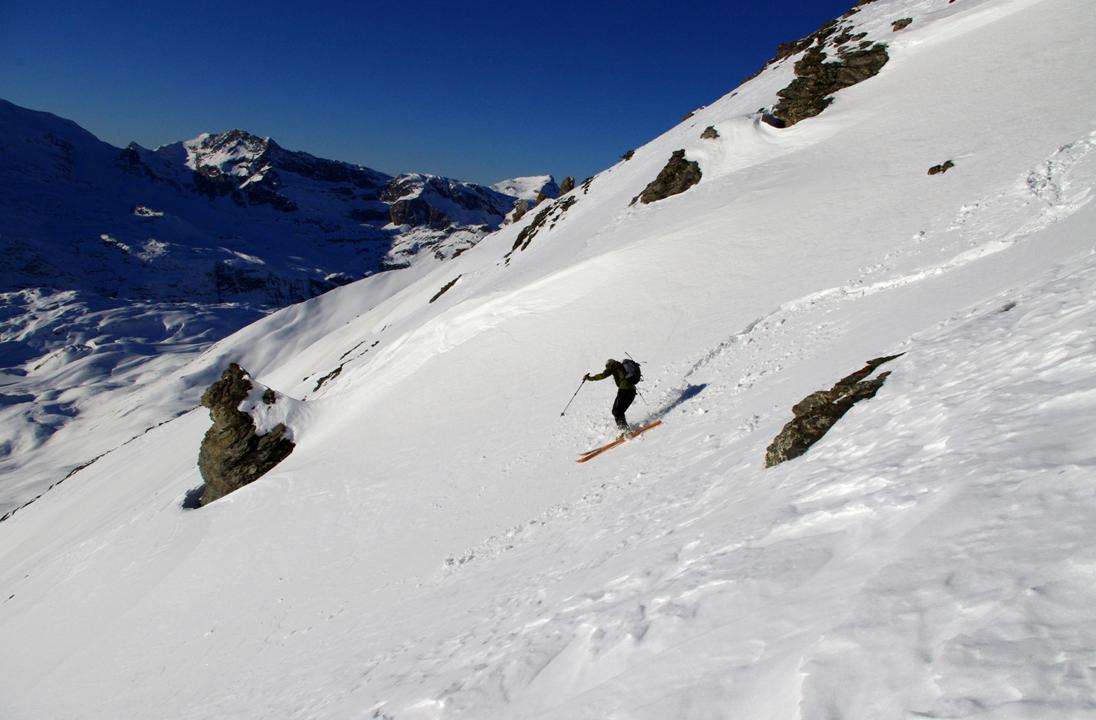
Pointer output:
x,y
624,399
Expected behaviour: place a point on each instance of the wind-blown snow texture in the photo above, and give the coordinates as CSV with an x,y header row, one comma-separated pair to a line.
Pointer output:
x,y
432,550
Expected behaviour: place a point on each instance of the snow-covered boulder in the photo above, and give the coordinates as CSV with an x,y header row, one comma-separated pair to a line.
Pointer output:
x,y
249,434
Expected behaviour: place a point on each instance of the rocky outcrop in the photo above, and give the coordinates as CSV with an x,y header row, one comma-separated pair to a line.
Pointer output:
x,y
445,288
567,185
941,168
710,133
819,411
329,376
233,452
418,213
549,216
520,208
835,56
816,81
771,120
678,176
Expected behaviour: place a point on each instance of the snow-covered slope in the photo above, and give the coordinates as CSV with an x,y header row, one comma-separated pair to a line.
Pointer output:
x,y
528,188
431,549
123,265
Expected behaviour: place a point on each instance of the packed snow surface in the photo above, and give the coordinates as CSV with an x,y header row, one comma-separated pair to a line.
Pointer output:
x,y
432,550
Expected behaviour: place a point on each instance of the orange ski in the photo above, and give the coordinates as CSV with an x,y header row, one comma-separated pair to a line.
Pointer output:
x,y
590,455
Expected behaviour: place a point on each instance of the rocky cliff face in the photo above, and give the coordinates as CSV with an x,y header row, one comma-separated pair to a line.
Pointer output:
x,y
250,169
428,200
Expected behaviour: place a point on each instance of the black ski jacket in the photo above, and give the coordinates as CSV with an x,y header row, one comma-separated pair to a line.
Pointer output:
x,y
616,370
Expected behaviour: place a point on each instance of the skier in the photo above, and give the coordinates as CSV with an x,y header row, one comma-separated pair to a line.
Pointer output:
x,y
626,379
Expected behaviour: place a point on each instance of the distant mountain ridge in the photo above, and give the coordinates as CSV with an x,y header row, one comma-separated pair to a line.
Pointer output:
x,y
224,217
121,262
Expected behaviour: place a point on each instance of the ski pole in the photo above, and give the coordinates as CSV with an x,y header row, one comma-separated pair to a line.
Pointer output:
x,y
573,397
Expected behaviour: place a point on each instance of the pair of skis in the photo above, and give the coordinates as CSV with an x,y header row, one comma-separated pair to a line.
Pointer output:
x,y
591,454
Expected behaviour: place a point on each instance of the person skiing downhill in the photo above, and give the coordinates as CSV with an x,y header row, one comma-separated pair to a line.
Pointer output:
x,y
626,390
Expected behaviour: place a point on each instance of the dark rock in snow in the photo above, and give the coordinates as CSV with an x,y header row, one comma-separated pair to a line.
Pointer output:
x,y
769,119
810,92
549,216
329,376
445,288
941,168
417,212
520,208
901,24
819,411
678,176
567,185
233,454
788,49
710,133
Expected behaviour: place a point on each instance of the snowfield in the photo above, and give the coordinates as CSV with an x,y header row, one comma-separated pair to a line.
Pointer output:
x,y
431,549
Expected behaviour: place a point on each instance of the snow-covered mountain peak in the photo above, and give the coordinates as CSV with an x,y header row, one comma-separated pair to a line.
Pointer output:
x,y
235,152
529,187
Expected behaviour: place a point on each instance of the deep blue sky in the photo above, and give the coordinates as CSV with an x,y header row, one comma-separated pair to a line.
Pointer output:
x,y
474,90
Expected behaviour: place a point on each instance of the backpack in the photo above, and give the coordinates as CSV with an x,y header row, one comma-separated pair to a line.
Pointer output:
x,y
632,373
